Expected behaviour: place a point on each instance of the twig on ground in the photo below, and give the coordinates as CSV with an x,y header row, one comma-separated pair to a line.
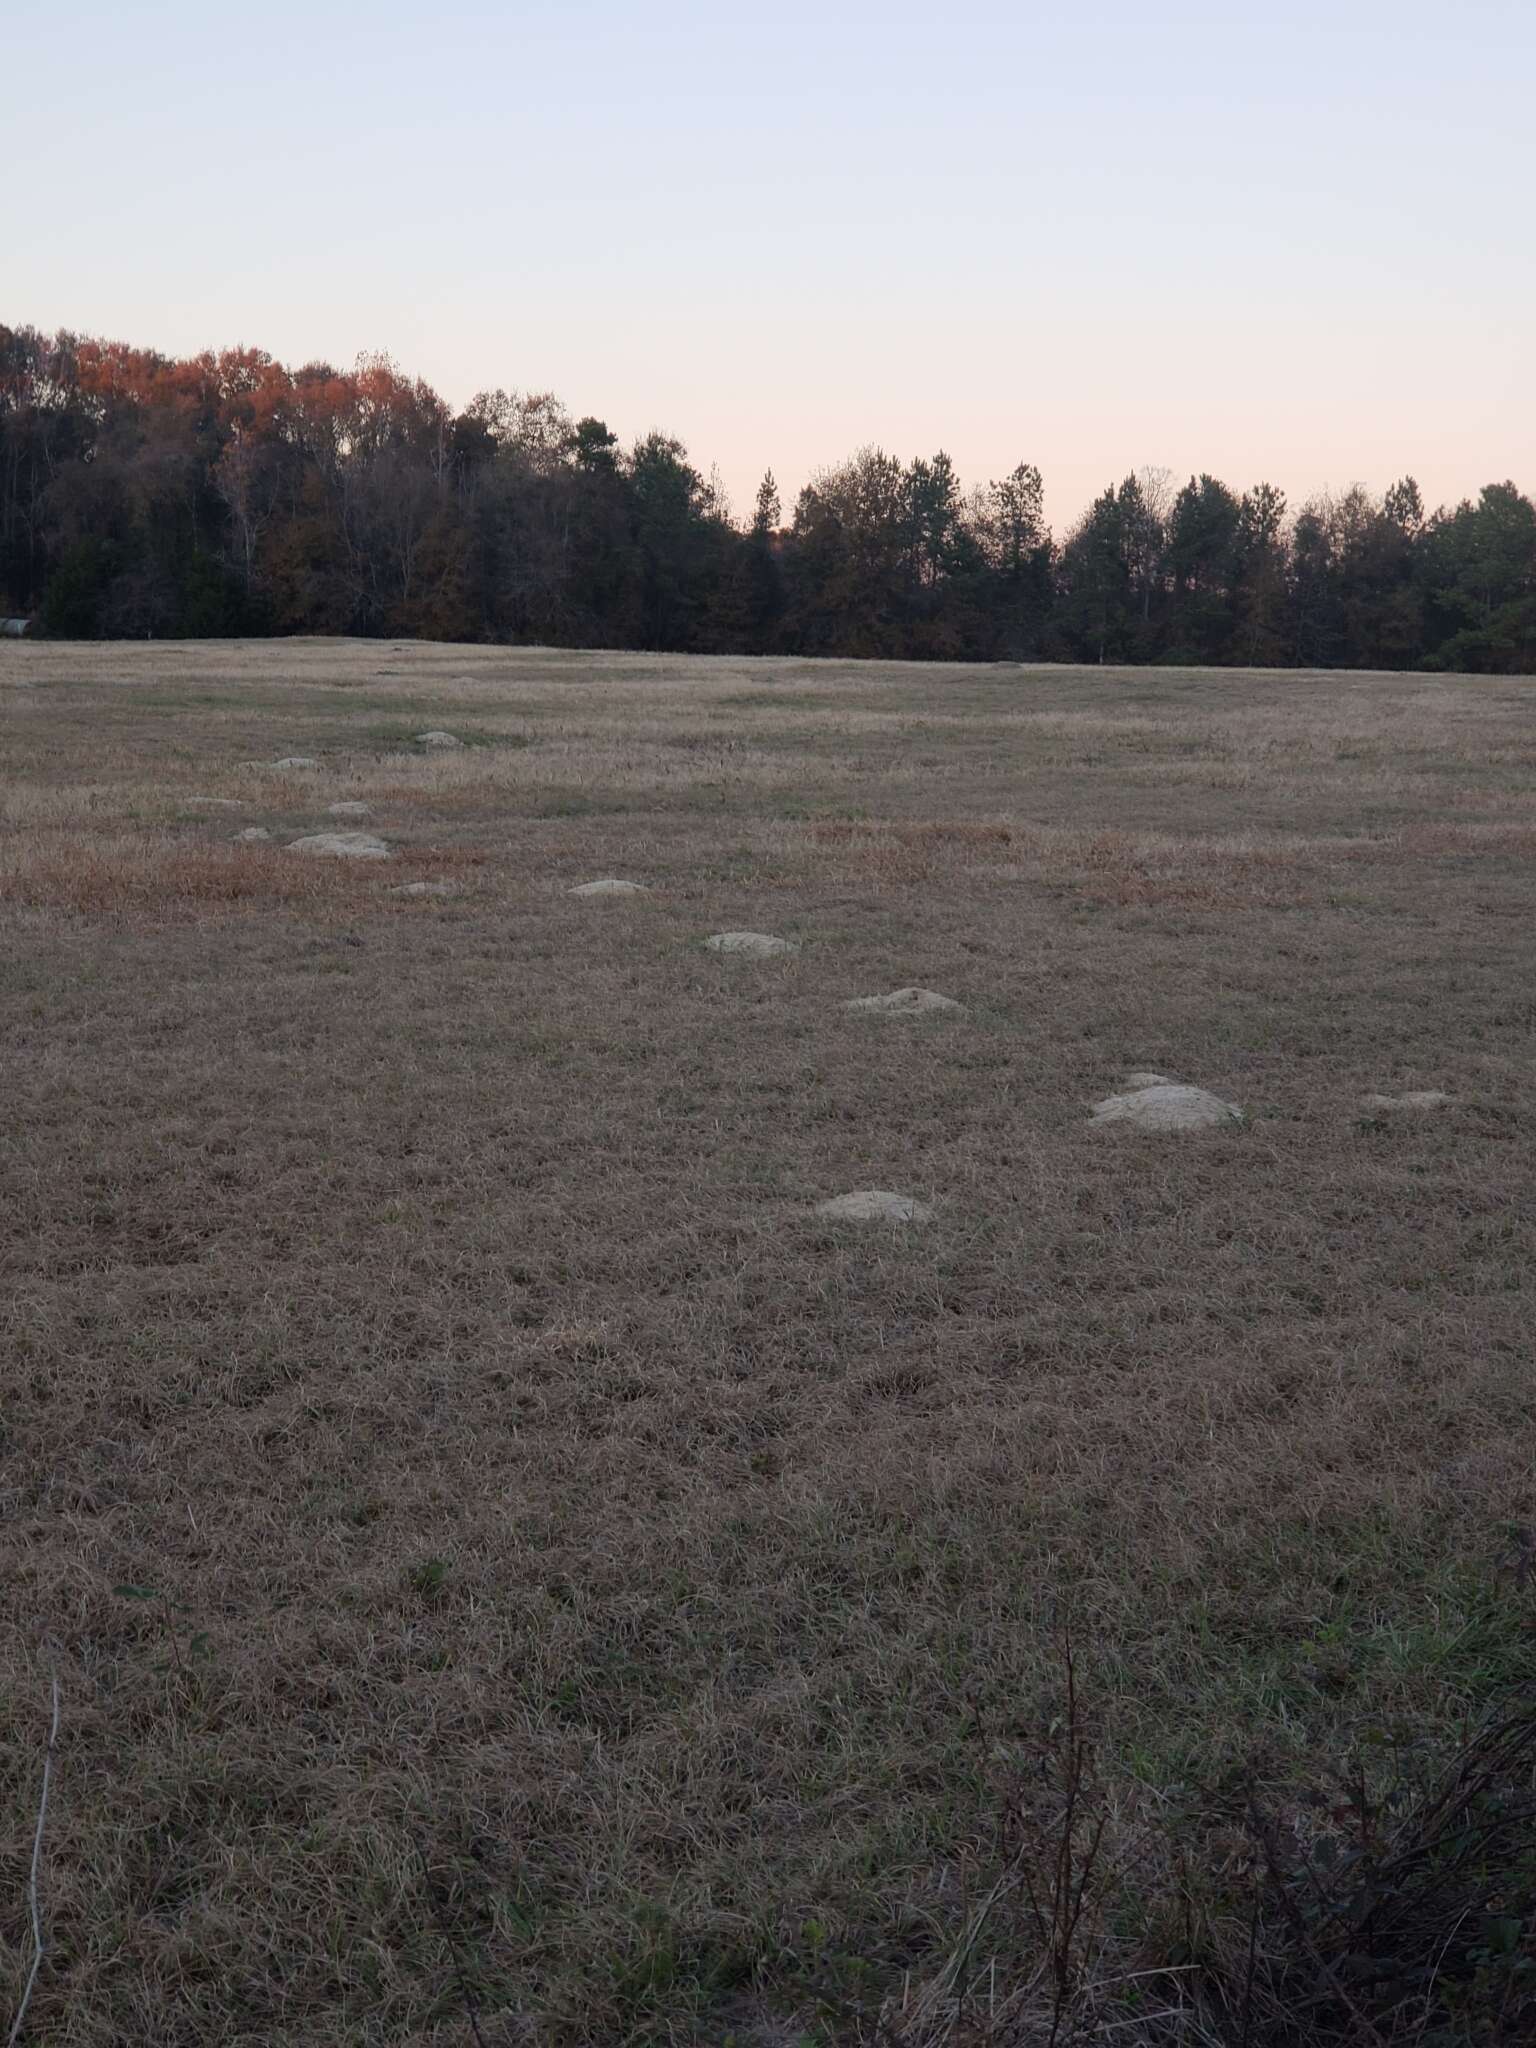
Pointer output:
x,y
33,1899
471,2009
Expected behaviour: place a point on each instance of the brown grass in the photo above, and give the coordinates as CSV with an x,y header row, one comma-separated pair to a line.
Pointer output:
x,y
492,1534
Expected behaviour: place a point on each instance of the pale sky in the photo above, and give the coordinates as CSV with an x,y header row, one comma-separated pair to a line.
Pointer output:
x,y
1291,242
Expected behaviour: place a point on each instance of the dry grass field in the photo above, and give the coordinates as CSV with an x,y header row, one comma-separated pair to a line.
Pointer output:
x,y
516,1573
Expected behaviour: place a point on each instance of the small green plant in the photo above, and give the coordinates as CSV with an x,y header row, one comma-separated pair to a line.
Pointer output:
x,y
429,1578
199,1648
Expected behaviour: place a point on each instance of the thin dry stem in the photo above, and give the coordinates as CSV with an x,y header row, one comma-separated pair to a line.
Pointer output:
x,y
34,1875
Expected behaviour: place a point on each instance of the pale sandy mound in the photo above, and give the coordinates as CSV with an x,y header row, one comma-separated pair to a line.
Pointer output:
x,y
1416,1098
608,887
758,944
251,835
342,845
425,889
438,739
216,803
875,1205
1142,1078
1166,1107
905,1002
296,761
350,809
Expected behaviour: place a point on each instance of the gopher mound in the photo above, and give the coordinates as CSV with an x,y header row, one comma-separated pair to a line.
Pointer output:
x,y
1167,1106
757,944
905,1002
342,845
875,1205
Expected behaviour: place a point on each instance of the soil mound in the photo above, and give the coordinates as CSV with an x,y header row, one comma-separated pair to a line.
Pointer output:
x,y
875,1205
342,845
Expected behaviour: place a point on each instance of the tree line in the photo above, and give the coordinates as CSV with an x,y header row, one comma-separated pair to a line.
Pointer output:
x,y
223,493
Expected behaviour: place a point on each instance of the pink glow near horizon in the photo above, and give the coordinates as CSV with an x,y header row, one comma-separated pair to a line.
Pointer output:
x,y
1294,249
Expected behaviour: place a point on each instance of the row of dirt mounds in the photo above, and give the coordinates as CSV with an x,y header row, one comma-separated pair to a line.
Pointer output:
x,y
293,761
1146,1101
860,1205
343,845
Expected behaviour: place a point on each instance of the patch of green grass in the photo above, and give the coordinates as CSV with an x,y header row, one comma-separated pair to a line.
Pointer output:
x,y
577,804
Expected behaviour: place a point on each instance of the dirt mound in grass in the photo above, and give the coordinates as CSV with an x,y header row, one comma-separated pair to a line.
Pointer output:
x,y
438,739
425,889
342,845
758,945
251,836
1143,1078
905,1002
1167,1106
875,1205
295,761
608,887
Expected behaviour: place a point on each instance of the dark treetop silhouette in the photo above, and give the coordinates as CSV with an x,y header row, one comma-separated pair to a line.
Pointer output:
x,y
226,494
